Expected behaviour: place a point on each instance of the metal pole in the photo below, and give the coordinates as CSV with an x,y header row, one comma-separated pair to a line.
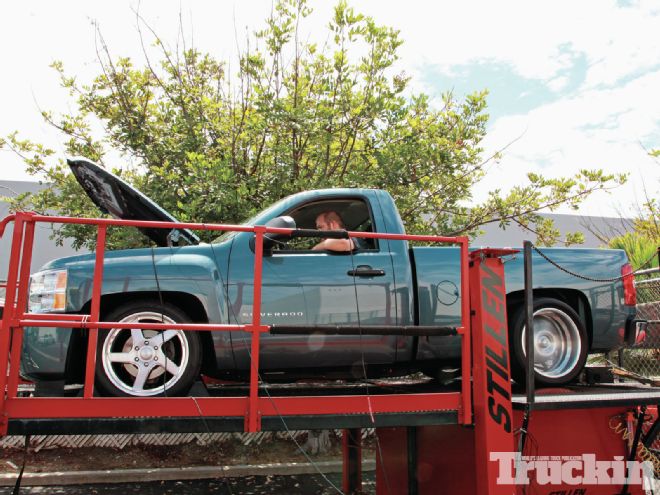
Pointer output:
x,y
253,420
529,345
466,337
529,323
92,339
351,443
9,313
21,305
411,438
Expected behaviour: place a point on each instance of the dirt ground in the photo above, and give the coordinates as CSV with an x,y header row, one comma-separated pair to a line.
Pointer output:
x,y
230,452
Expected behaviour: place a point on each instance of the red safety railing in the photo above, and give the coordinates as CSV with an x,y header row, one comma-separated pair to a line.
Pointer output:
x,y
252,407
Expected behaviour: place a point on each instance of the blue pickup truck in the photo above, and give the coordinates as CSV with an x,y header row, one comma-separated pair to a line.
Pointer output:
x,y
374,282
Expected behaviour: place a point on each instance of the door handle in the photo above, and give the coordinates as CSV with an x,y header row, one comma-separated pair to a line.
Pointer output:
x,y
365,271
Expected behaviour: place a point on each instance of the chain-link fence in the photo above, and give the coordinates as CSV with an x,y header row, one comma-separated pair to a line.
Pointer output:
x,y
643,357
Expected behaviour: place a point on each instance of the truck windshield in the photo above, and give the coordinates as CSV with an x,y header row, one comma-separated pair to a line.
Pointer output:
x,y
258,219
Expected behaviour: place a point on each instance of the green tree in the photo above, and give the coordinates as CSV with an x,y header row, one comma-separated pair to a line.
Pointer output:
x,y
641,250
647,222
643,241
214,146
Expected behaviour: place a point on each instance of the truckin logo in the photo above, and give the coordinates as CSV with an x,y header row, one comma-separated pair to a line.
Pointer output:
x,y
497,357
584,469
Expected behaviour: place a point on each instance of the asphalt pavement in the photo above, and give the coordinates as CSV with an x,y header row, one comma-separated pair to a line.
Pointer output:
x,y
247,485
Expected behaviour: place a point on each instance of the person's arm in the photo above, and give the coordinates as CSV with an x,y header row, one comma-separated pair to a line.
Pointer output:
x,y
334,245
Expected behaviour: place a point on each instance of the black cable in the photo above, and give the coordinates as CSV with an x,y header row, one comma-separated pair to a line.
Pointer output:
x,y
17,485
523,431
225,290
208,430
524,428
199,410
532,447
533,452
652,435
583,277
364,368
302,450
633,449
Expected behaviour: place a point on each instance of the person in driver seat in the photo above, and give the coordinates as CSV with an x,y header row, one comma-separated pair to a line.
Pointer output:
x,y
330,220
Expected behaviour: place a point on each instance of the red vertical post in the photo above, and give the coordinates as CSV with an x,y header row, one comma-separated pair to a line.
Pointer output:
x,y
465,414
95,312
253,418
21,304
493,414
351,449
9,313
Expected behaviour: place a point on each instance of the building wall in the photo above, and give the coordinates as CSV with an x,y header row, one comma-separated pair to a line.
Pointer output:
x,y
514,235
44,248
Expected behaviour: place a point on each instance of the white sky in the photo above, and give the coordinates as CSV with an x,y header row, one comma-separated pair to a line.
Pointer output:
x,y
587,72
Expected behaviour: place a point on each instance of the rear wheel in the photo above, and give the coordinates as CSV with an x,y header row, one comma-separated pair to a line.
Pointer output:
x,y
560,342
144,363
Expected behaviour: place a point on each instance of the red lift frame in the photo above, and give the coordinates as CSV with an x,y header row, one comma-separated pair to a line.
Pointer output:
x,y
485,373
251,407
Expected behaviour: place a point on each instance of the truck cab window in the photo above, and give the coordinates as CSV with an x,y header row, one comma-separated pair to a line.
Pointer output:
x,y
354,213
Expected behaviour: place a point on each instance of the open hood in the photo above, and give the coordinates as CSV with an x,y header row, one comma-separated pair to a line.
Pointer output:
x,y
115,197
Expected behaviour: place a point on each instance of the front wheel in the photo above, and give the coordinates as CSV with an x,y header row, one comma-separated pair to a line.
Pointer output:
x,y
144,363
560,342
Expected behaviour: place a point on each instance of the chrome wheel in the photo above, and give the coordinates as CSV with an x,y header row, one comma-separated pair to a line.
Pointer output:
x,y
145,363
557,343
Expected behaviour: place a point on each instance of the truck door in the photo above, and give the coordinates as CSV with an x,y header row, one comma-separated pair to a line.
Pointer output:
x,y
306,287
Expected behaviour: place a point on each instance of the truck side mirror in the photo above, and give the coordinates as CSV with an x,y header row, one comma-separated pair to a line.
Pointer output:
x,y
270,239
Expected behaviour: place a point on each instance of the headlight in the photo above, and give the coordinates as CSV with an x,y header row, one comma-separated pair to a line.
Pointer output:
x,y
47,291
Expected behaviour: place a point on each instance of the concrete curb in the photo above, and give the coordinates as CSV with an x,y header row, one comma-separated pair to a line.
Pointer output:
x,y
169,474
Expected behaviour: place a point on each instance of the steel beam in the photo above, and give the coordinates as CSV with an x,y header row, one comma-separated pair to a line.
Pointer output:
x,y
493,415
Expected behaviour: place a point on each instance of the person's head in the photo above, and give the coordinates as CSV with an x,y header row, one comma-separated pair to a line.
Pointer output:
x,y
329,220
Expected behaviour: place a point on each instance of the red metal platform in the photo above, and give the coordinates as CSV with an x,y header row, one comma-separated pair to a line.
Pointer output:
x,y
252,408
433,440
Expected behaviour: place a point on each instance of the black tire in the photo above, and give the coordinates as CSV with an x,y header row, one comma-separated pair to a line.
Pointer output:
x,y
144,368
563,341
